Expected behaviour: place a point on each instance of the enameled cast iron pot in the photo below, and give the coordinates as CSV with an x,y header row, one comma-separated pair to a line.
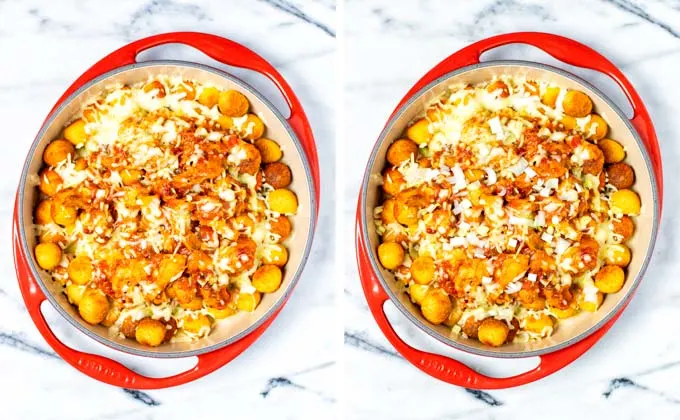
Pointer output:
x,y
575,335
234,334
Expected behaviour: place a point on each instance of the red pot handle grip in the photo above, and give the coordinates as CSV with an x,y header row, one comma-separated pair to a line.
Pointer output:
x,y
450,370
102,368
227,52
566,50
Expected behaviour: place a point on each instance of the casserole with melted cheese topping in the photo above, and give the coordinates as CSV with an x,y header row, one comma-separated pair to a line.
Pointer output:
x,y
163,209
506,208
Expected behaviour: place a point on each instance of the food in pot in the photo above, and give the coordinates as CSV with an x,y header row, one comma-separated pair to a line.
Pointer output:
x,y
164,209
506,209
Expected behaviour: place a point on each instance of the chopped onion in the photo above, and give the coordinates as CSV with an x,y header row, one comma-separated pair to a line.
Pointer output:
x,y
458,241
562,246
496,128
519,167
491,177
513,287
459,177
514,220
539,220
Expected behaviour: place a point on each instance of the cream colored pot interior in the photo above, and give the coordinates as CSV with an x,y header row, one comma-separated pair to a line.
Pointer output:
x,y
569,330
232,328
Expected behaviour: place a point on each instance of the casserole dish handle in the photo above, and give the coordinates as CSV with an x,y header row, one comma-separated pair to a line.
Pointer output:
x,y
450,370
103,368
568,51
227,52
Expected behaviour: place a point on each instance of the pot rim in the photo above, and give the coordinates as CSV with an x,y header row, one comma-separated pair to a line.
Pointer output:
x,y
452,342
296,276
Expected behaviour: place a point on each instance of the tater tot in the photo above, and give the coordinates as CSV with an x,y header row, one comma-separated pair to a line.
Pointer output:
x,y
621,175
596,128
617,254
248,301
196,323
400,151
222,313
269,150
267,278
282,201
537,304
624,227
612,149
129,327
48,255
50,181
391,255
252,128
393,181
595,162
111,317
209,96
454,316
225,122
93,306
43,212
422,269
577,104
419,131
625,202
64,215
436,306
550,96
417,292
568,122
387,214
74,293
80,270
75,133
280,226
58,151
194,304
588,305
277,174
150,332
564,313
493,332
406,214
539,323
610,279
233,103
169,268
471,327
276,254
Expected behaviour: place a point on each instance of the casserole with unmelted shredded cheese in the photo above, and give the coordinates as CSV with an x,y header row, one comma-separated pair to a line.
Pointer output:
x,y
163,209
506,208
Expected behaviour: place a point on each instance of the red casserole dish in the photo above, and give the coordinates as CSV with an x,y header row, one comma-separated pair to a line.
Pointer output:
x,y
229,338
580,333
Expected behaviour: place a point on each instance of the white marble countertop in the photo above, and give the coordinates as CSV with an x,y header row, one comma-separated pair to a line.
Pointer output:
x,y
288,373
634,371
